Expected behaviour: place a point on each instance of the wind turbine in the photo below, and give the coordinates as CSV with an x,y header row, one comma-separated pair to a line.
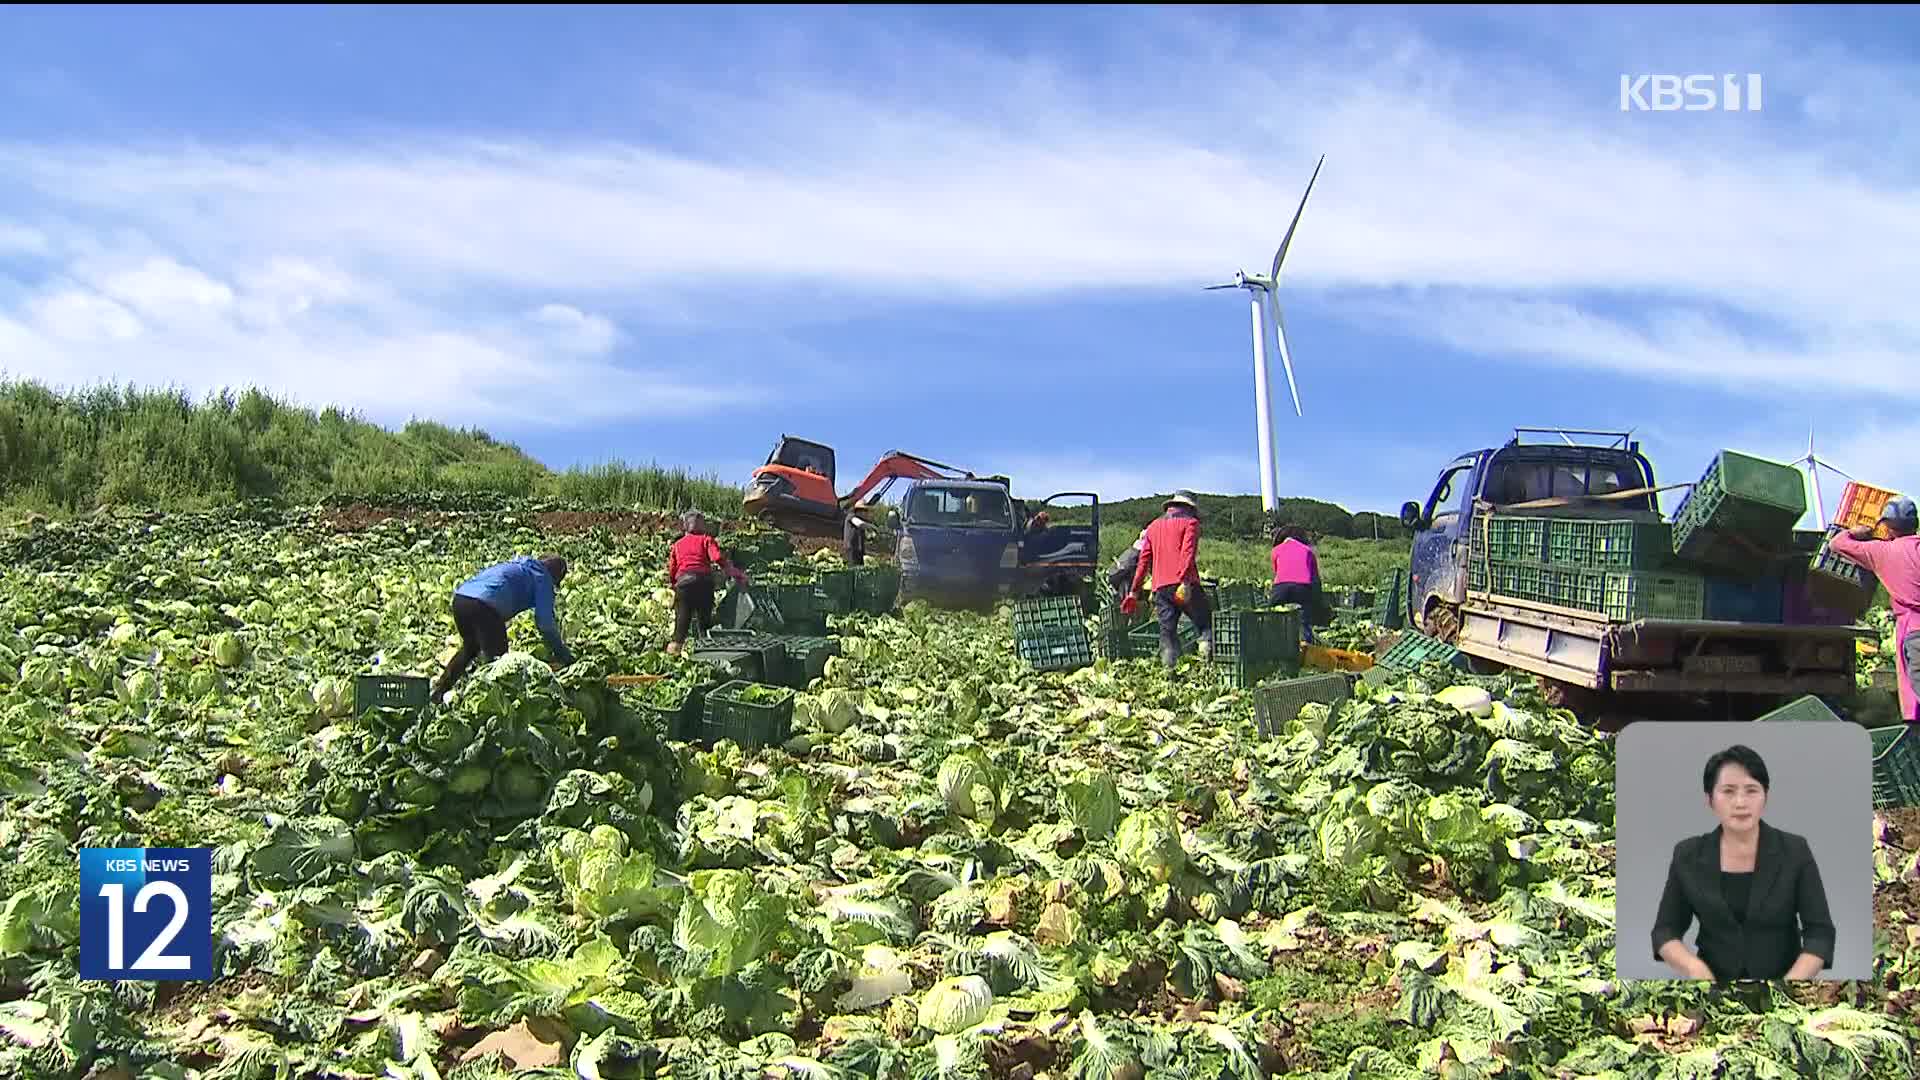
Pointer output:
x,y
1266,309
1814,463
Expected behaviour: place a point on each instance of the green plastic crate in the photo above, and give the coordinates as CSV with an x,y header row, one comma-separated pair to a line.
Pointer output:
x,y
390,692
1477,537
1277,704
1517,539
1803,709
875,588
1241,596
1896,766
1636,595
1037,614
1743,555
1415,650
1479,576
807,657
1580,590
1062,648
835,591
729,662
1631,545
1735,481
1144,641
769,652
682,721
1251,645
1390,600
751,724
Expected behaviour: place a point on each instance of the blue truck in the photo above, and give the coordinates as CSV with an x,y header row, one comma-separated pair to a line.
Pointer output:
x,y
1704,668
971,543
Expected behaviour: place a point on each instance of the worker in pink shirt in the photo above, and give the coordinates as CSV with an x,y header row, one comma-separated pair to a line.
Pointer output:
x,y
1296,575
1896,562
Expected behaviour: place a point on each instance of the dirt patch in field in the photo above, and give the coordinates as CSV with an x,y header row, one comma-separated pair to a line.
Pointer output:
x,y
568,521
1903,835
353,518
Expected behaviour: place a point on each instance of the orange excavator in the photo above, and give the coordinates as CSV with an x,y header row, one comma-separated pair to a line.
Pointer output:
x,y
794,490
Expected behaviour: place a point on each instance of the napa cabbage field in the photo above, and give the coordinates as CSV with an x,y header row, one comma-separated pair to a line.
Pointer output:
x,y
955,868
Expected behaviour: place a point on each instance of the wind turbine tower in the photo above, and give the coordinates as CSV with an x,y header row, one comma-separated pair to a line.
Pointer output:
x,y
1814,463
1264,301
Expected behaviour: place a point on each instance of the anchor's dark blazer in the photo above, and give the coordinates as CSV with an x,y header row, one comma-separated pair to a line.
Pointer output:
x,y
1786,912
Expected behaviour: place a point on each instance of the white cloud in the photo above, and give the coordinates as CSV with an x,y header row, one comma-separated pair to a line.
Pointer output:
x,y
577,329
1519,223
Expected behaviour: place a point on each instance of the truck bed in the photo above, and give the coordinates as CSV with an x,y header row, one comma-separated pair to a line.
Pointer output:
x,y
1659,655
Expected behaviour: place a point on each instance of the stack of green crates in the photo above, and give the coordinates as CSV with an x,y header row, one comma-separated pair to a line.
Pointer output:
x,y
1622,568
1742,509
1050,632
1251,645
730,712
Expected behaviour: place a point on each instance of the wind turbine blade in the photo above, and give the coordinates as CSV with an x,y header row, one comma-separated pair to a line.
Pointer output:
x,y
1823,464
1286,354
1210,288
1280,256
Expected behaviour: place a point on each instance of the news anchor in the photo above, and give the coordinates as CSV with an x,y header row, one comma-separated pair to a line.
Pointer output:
x,y
1755,889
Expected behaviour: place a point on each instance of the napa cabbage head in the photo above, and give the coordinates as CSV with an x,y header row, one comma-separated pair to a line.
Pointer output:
x,y
1149,842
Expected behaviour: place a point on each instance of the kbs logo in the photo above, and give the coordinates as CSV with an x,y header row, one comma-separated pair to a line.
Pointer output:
x,y
150,906
1689,93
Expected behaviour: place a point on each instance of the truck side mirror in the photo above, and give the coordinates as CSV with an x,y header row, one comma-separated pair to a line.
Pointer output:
x,y
1410,515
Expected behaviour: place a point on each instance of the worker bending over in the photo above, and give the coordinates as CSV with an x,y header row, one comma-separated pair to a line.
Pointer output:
x,y
1120,576
690,565
1172,554
1296,575
484,602
1896,562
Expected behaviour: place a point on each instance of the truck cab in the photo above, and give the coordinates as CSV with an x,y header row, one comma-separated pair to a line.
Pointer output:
x,y
968,543
1518,472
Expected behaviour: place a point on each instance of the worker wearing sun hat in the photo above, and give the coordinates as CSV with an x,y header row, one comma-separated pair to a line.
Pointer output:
x,y
1172,554
1896,562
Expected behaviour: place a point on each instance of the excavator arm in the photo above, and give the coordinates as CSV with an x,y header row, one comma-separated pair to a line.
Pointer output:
x,y
895,464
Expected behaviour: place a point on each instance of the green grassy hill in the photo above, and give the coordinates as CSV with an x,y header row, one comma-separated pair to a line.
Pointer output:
x,y
64,453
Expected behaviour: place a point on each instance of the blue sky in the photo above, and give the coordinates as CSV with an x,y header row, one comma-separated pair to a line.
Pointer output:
x,y
981,234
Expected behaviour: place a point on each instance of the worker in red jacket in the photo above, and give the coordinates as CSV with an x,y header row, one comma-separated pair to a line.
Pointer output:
x,y
1172,554
1896,562
690,565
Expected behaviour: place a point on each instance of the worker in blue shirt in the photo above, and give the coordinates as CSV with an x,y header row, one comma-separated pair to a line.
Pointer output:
x,y
484,602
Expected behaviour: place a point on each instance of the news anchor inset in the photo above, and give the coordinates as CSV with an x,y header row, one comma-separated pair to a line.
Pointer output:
x,y
1754,889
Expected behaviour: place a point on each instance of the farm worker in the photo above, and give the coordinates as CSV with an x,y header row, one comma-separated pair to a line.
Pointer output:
x,y
690,565
853,538
1896,562
1172,554
1296,575
1124,566
484,602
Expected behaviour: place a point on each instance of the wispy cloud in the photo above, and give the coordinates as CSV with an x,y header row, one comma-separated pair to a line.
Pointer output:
x,y
514,275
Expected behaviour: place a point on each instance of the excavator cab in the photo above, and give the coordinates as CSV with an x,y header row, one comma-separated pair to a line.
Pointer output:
x,y
794,490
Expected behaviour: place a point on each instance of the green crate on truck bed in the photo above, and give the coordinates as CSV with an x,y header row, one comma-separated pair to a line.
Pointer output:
x,y
1517,539
1277,704
1736,482
1390,600
1639,595
1479,576
1896,765
730,714
1580,590
1741,510
1414,650
1632,545
390,692
1056,648
1477,536
1839,583
1741,556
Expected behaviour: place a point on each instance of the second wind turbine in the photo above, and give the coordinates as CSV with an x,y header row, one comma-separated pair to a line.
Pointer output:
x,y
1263,295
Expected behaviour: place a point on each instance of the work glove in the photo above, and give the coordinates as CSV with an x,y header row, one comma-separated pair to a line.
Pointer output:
x,y
1130,605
